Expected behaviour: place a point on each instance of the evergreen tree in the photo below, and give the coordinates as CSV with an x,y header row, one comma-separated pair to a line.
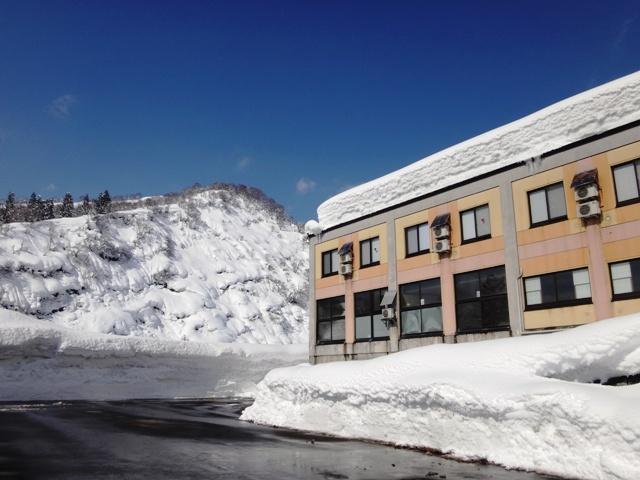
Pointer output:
x,y
10,208
86,208
34,208
47,210
67,206
103,203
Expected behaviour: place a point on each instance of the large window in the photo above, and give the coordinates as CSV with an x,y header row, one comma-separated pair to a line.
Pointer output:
x,y
416,239
481,300
558,289
370,252
330,263
547,205
330,315
420,308
625,279
369,324
476,224
627,182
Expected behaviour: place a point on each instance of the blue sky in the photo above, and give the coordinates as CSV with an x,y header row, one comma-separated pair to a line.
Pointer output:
x,y
301,99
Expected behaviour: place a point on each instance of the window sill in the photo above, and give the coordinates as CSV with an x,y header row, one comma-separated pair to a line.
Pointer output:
x,y
407,336
628,202
625,296
548,306
330,342
370,340
549,222
327,275
417,254
506,328
477,239
374,264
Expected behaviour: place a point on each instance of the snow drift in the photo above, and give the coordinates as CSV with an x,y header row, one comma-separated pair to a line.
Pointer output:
x,y
212,266
595,111
520,402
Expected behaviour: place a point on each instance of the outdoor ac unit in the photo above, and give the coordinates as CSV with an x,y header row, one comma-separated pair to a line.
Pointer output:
x,y
388,313
441,232
442,246
346,269
586,192
589,209
346,258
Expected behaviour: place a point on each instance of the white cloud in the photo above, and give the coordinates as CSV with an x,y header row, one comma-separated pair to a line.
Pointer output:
x,y
304,186
243,163
60,107
52,187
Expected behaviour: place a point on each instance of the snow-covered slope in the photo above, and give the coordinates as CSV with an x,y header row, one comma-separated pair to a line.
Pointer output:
x,y
520,402
214,266
589,113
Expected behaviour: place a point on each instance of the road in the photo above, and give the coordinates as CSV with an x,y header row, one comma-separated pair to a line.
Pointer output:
x,y
196,439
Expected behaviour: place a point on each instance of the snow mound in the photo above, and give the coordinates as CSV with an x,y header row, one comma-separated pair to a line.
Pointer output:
x,y
212,266
595,111
43,361
518,402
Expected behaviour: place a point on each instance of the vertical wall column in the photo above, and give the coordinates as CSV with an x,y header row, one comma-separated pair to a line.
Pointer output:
x,y
312,299
599,273
447,290
511,259
392,282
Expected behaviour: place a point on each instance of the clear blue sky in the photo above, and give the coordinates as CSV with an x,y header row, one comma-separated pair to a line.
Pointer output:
x,y
301,99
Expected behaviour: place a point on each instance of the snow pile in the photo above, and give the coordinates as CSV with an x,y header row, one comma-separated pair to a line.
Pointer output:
x,y
43,361
214,266
590,113
519,402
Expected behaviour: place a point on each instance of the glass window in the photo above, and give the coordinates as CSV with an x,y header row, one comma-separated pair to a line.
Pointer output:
x,y
481,300
625,279
476,224
330,263
627,181
558,289
421,308
417,239
330,320
370,252
369,323
547,204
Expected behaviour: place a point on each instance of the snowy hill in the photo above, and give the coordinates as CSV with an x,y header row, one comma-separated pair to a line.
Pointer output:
x,y
215,266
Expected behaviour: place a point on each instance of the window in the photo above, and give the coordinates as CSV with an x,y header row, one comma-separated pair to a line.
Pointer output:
x,y
416,239
330,314
369,324
420,308
547,205
627,182
481,300
330,263
625,279
558,289
476,224
370,252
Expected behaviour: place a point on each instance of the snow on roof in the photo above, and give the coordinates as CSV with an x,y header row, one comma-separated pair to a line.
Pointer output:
x,y
589,113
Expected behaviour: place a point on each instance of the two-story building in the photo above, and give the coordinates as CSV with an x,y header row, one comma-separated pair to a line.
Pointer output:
x,y
532,227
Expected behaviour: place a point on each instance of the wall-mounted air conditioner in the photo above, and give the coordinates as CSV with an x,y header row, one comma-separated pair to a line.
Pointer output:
x,y
388,313
442,246
346,269
442,231
346,258
586,192
589,209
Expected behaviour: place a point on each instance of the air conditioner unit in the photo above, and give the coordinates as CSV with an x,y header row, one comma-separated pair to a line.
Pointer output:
x,y
346,258
388,313
441,232
346,269
589,209
586,192
442,246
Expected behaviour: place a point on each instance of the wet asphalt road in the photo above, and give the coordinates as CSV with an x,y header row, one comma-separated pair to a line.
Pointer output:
x,y
196,439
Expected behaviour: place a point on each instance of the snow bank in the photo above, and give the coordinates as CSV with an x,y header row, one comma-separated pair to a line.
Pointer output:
x,y
214,266
43,361
519,402
590,113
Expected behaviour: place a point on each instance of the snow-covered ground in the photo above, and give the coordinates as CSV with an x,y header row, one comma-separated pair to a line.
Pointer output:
x,y
523,402
43,361
589,113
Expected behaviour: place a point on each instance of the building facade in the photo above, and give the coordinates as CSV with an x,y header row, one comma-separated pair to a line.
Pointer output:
x,y
539,245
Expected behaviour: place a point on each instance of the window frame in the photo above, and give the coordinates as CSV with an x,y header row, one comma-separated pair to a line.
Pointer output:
x,y
373,311
482,300
549,220
406,240
623,296
369,241
435,333
475,220
636,164
557,304
337,266
331,320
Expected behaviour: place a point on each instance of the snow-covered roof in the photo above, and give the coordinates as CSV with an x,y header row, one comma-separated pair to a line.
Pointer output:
x,y
589,113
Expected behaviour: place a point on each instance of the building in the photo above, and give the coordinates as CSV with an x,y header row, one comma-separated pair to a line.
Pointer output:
x,y
529,228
